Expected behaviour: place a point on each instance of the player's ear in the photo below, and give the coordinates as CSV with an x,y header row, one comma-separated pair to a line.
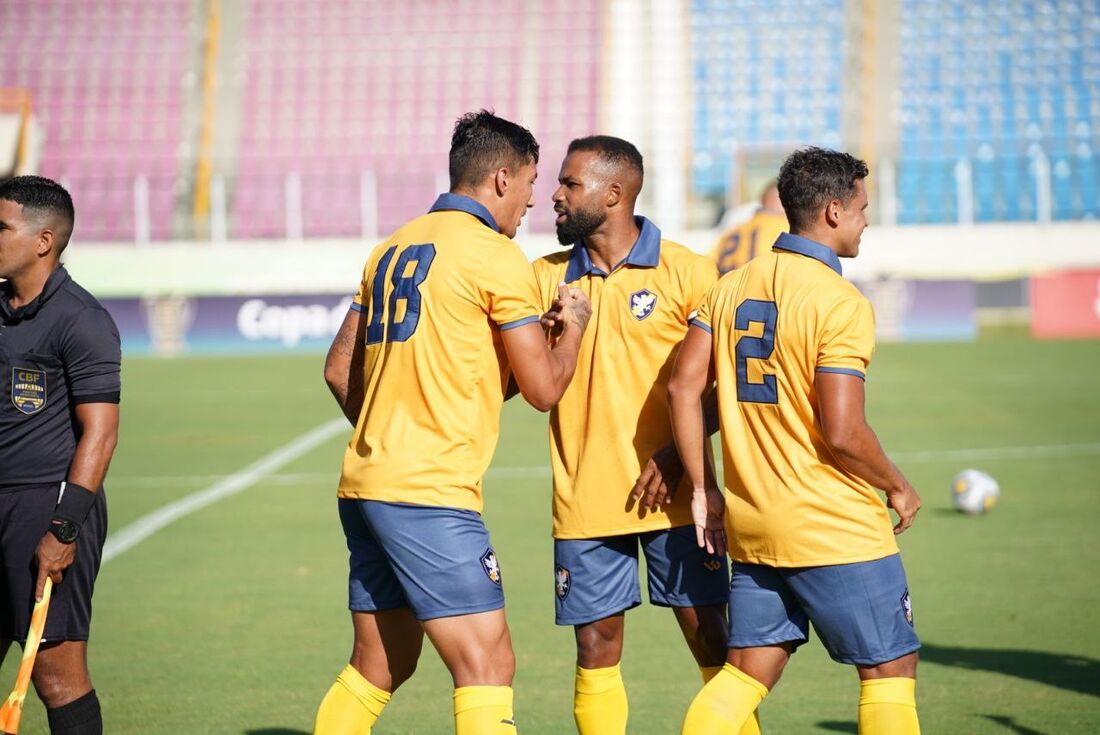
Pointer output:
x,y
501,182
44,242
832,212
614,194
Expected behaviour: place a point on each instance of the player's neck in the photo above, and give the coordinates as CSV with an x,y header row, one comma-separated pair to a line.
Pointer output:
x,y
821,237
611,243
26,286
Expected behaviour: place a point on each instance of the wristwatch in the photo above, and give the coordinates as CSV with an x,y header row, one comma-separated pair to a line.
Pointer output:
x,y
64,531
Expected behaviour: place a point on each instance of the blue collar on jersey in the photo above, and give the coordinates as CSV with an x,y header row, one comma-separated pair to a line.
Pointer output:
x,y
646,253
809,248
462,203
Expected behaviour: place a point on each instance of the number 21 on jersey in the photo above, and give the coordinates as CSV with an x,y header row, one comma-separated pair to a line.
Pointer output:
x,y
403,290
755,348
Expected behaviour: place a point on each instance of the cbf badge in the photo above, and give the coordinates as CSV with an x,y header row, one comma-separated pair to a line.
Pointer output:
x,y
562,583
907,607
489,564
642,303
28,389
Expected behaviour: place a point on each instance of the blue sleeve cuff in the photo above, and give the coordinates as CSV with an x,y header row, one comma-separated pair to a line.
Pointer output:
x,y
702,325
518,323
357,307
842,371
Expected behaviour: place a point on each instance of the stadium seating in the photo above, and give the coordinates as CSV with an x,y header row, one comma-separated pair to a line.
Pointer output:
x,y
111,112
752,62
1007,86
336,90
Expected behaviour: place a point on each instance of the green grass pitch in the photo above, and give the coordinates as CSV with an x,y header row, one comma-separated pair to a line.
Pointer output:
x,y
233,619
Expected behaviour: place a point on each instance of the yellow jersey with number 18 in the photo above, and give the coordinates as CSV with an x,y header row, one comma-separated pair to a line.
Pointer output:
x,y
775,323
435,297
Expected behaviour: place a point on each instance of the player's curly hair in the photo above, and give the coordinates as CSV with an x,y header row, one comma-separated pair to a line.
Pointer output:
x,y
41,196
812,177
483,142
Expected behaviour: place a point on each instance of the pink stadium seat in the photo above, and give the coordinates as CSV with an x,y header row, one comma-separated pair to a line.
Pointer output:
x,y
337,89
110,106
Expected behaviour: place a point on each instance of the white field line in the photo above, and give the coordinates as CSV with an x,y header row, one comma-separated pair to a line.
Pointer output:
x,y
227,485
144,527
1039,451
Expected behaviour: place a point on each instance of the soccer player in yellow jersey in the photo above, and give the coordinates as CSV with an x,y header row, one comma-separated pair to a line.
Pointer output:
x,y
743,242
616,472
448,306
787,341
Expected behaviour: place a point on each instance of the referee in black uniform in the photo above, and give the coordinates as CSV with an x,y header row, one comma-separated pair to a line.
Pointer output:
x,y
60,360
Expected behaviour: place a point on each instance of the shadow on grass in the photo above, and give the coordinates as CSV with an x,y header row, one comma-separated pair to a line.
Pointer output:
x,y
1072,673
275,731
1010,723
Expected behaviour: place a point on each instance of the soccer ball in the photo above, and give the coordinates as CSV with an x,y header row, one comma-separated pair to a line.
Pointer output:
x,y
974,492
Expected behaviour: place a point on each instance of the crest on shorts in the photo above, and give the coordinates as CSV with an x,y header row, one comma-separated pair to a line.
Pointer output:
x,y
563,582
28,389
712,564
490,565
642,303
907,607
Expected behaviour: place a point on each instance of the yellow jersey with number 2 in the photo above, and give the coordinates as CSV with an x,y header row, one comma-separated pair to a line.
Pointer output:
x,y
785,316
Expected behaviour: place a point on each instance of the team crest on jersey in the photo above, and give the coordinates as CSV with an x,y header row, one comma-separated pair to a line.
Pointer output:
x,y
642,303
28,389
563,581
491,567
907,607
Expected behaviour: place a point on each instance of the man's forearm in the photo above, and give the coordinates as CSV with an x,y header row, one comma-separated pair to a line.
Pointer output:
x,y
864,457
348,397
563,356
91,459
689,434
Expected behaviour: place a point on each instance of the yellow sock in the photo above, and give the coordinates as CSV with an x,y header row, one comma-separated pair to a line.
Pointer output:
x,y
752,725
725,705
484,710
351,706
599,701
888,706
709,672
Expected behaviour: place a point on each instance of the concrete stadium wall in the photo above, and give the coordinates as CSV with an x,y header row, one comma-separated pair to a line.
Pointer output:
x,y
980,252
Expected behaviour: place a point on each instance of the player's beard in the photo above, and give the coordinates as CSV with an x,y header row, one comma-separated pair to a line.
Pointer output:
x,y
578,225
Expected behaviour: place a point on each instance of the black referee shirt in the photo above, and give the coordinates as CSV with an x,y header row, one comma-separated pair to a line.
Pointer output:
x,y
57,351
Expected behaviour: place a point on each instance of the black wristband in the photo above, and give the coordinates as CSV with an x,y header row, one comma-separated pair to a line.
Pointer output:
x,y
75,503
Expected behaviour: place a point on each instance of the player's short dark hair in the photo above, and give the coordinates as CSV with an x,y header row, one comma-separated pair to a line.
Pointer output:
x,y
812,177
483,142
39,195
614,150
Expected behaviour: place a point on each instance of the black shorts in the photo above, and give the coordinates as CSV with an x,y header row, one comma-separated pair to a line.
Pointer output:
x,y
25,515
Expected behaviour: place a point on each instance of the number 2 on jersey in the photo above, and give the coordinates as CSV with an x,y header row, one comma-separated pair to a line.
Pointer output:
x,y
405,289
759,348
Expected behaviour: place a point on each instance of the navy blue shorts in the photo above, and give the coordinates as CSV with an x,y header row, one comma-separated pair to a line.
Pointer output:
x,y
437,561
597,578
25,515
861,612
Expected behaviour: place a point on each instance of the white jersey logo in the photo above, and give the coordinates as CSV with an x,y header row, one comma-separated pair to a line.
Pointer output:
x,y
642,303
